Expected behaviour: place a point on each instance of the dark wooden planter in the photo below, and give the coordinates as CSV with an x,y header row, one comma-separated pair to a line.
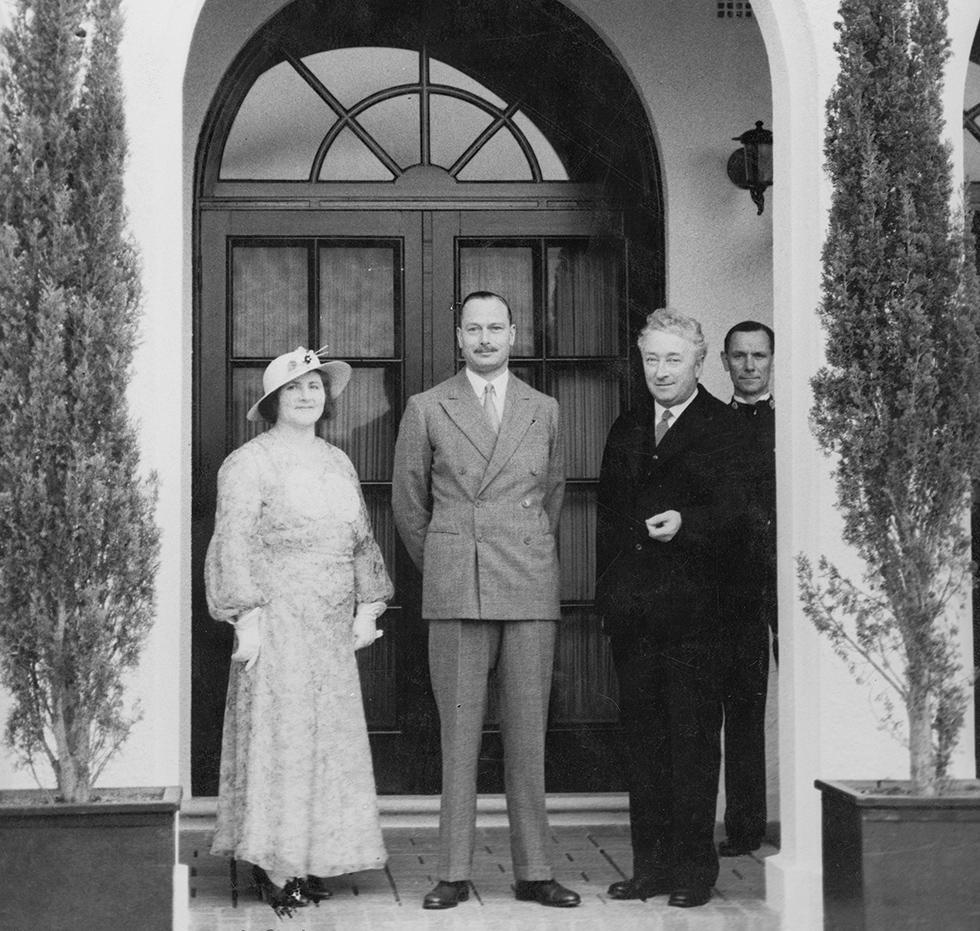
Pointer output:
x,y
98,867
893,862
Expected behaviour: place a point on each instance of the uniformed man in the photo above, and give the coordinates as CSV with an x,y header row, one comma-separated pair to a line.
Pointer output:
x,y
749,595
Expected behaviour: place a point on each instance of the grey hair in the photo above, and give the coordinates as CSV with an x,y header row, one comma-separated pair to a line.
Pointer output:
x,y
671,321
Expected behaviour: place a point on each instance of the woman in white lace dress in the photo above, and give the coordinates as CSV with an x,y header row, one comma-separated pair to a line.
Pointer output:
x,y
294,565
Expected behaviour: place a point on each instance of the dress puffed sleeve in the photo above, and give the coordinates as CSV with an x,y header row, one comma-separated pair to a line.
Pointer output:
x,y
228,573
371,580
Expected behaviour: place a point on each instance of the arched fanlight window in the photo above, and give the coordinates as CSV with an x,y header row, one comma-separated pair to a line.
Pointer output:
x,y
370,114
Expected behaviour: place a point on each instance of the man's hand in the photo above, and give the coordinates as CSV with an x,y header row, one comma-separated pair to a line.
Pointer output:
x,y
664,526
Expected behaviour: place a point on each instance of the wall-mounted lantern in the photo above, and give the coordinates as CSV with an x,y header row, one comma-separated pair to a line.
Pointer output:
x,y
750,167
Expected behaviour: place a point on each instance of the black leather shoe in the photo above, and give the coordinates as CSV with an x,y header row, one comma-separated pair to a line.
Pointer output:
x,y
447,894
689,897
737,848
639,887
545,892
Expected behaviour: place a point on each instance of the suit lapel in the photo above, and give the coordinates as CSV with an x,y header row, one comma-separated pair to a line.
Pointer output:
x,y
690,425
463,408
518,417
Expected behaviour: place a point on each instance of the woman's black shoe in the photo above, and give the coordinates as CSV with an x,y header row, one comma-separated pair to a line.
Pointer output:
x,y
283,900
314,889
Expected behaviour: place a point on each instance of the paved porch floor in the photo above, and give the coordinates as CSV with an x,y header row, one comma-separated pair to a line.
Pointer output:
x,y
587,858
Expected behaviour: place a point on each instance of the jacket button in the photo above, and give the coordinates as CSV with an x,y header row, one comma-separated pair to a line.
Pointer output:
x,y
638,547
526,503
527,541
534,470
479,503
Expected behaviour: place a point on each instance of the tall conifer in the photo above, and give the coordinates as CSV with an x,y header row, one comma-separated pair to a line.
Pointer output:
x,y
78,543
899,399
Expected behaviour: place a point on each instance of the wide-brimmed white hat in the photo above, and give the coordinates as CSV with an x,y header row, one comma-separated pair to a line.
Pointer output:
x,y
290,365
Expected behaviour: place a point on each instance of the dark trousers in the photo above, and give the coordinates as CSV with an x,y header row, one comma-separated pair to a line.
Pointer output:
x,y
670,709
744,697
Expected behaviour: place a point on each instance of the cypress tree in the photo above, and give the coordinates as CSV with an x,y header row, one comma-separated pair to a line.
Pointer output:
x,y
898,401
78,542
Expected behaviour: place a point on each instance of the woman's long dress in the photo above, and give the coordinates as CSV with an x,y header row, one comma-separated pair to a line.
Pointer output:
x,y
297,792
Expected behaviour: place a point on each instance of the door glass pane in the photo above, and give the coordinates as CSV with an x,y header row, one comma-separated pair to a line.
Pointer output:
x,y
376,668
550,164
454,125
589,399
277,129
440,73
269,299
585,298
576,543
376,663
246,389
351,74
500,159
584,688
358,299
349,159
505,270
378,501
394,124
364,421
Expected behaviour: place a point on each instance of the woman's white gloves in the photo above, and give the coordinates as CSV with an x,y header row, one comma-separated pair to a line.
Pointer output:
x,y
366,623
248,625
247,637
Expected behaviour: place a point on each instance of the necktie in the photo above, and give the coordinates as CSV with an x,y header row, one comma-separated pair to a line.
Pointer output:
x,y
661,429
490,408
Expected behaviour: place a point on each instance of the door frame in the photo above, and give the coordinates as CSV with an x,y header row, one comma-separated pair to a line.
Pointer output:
x,y
428,354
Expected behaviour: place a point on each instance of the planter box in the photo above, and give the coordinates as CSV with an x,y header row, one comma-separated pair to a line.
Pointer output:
x,y
95,867
896,862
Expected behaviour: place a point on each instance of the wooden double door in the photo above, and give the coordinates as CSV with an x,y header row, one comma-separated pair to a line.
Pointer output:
x,y
379,288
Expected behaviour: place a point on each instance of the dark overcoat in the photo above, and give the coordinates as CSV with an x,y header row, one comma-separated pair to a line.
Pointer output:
x,y
668,592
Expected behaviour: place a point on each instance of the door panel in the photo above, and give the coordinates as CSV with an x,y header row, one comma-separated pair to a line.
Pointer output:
x,y
271,282
378,288
567,286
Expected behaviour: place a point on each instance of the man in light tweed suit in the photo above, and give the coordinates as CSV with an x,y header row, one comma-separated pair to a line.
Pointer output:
x,y
477,490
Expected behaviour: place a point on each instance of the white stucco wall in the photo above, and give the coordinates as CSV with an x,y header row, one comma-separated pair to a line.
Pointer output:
x,y
703,81
971,146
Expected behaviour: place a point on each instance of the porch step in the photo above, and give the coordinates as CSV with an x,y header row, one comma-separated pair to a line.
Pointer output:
x,y
570,809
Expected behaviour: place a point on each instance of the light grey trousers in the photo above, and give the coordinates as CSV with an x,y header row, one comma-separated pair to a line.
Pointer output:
x,y
461,655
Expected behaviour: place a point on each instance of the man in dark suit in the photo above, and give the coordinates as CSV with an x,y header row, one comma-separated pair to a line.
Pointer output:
x,y
668,498
749,592
477,491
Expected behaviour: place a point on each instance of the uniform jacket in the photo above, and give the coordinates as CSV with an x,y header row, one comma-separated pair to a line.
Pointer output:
x,y
668,592
752,567
477,513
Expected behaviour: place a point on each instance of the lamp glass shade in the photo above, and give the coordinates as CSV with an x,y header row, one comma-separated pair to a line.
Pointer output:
x,y
757,147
